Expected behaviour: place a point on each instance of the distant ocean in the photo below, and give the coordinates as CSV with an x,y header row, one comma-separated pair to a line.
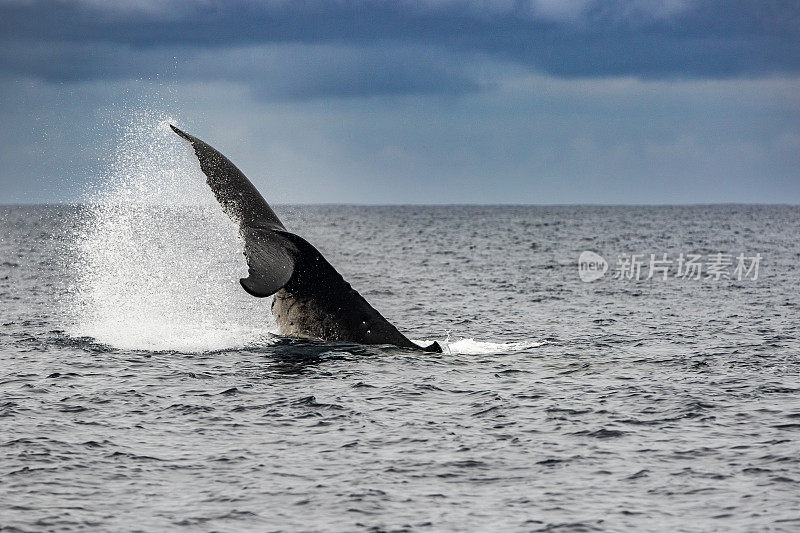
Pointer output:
x,y
142,390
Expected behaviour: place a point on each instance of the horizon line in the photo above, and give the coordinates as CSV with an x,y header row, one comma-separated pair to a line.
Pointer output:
x,y
413,204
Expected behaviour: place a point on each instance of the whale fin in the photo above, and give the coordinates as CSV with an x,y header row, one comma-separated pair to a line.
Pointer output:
x,y
240,200
434,348
270,261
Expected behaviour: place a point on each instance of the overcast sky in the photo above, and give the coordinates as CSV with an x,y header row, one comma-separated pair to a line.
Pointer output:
x,y
416,101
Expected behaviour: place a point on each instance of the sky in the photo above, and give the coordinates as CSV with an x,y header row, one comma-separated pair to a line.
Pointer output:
x,y
415,101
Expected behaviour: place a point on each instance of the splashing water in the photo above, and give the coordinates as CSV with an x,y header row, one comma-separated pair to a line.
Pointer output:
x,y
158,260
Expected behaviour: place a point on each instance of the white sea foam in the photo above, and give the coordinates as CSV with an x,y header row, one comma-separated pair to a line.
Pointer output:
x,y
158,260
472,347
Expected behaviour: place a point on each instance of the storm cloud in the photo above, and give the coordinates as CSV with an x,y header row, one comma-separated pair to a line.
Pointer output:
x,y
318,48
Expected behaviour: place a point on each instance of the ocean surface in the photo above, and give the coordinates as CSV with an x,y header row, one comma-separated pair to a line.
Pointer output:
x,y
142,390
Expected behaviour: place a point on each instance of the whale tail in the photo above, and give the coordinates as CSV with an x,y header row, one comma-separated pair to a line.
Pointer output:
x,y
316,301
433,348
239,199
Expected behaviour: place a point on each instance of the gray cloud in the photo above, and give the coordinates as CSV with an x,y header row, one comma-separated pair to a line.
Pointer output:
x,y
536,139
386,47
330,101
282,71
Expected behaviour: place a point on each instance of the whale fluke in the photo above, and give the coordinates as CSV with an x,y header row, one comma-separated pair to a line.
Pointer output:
x,y
181,133
239,198
311,297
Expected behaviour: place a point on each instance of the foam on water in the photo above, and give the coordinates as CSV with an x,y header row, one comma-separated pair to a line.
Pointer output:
x,y
158,260
470,346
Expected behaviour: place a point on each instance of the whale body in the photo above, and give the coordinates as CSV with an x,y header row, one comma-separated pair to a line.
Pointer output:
x,y
311,299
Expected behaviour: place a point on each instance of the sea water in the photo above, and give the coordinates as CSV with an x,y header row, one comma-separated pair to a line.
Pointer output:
x,y
142,390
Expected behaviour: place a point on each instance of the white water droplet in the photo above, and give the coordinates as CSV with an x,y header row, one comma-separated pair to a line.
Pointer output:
x,y
159,261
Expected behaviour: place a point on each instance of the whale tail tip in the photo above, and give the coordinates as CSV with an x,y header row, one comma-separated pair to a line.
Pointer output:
x,y
434,348
181,133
